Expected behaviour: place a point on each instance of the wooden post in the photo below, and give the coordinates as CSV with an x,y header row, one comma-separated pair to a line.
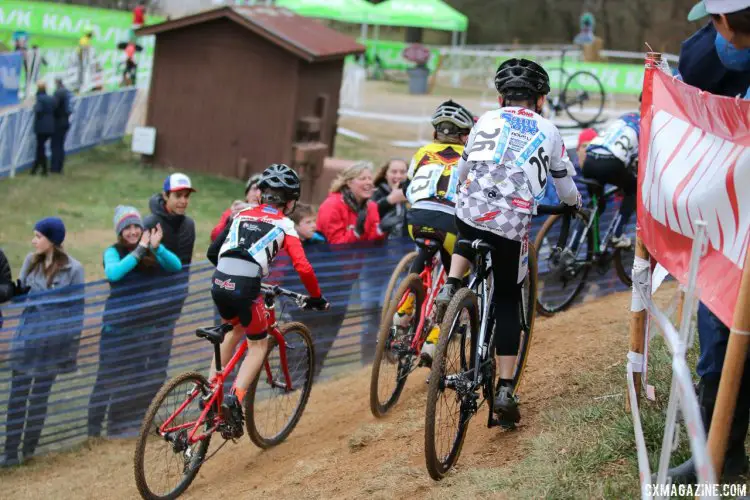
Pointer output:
x,y
638,323
680,307
731,373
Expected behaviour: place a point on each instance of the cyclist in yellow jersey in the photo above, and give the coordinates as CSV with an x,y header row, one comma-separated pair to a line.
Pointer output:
x,y
432,182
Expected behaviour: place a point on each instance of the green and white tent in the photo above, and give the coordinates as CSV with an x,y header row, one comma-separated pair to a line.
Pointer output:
x,y
430,14
347,11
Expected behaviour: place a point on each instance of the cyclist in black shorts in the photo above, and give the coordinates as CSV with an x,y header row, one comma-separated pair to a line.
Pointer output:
x,y
502,176
242,254
432,181
611,158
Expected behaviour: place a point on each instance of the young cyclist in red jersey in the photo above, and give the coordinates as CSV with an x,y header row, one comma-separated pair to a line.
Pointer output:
x,y
243,254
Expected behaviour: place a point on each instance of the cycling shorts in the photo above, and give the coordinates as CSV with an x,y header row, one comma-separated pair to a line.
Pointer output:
x,y
506,255
238,301
436,226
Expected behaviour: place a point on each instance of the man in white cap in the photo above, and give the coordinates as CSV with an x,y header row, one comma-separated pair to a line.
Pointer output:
x,y
730,17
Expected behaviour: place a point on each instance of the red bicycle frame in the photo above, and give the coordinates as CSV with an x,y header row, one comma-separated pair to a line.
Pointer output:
x,y
217,381
429,302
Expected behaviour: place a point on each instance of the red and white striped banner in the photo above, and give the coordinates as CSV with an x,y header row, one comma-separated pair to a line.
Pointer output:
x,y
695,165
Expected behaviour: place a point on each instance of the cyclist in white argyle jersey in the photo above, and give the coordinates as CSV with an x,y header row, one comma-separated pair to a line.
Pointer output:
x,y
502,176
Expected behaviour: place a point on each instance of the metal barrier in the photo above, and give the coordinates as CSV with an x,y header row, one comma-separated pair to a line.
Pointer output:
x,y
682,392
97,119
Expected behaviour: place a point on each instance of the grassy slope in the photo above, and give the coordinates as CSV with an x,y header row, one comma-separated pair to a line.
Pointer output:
x,y
85,197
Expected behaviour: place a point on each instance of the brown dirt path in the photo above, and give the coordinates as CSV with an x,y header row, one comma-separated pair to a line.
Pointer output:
x,y
339,450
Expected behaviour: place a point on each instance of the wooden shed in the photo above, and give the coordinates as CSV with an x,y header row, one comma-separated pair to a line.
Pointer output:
x,y
234,89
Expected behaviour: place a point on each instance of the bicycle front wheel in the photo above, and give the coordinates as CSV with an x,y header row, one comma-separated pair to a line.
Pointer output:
x,y
400,272
561,277
393,357
165,463
447,414
272,410
583,98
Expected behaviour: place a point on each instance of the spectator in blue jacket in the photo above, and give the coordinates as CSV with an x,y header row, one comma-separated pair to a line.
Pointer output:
x,y
63,111
130,266
45,344
44,126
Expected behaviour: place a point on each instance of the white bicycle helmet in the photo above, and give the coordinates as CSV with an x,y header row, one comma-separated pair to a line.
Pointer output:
x,y
453,113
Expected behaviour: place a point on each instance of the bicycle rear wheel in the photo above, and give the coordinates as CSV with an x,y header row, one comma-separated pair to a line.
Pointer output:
x,y
393,359
447,414
183,459
528,315
561,278
583,98
400,272
271,410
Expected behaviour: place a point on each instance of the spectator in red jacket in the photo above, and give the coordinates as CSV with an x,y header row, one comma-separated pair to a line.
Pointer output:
x,y
348,215
252,198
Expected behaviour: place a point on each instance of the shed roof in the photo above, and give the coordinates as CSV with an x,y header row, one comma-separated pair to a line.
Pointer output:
x,y
307,38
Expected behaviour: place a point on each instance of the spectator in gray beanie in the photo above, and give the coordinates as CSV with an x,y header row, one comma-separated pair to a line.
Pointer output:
x,y
129,265
46,341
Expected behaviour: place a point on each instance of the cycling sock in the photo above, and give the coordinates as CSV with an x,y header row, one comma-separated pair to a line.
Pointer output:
x,y
240,393
505,382
453,281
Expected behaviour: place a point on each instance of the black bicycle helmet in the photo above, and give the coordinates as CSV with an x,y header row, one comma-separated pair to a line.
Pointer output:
x,y
279,179
521,76
454,113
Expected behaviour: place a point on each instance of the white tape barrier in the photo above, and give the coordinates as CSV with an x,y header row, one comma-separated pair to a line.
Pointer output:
x,y
682,393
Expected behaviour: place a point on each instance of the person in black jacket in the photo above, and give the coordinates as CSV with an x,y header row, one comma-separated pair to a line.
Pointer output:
x,y
168,210
62,124
8,289
390,197
44,126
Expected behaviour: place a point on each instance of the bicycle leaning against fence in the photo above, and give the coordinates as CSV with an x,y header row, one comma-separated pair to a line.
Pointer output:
x,y
464,362
565,265
402,334
187,411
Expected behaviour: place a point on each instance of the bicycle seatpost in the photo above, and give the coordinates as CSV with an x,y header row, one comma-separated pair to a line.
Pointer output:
x,y
217,356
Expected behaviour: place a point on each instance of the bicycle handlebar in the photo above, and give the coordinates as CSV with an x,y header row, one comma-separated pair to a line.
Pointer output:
x,y
277,291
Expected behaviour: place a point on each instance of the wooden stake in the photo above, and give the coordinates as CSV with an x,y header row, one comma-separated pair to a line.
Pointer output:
x,y
638,325
731,373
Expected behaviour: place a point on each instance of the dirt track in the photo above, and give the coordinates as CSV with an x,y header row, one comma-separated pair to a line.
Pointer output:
x,y
340,450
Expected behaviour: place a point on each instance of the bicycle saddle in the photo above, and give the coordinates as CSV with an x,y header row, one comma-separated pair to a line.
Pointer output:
x,y
429,244
215,334
477,245
592,184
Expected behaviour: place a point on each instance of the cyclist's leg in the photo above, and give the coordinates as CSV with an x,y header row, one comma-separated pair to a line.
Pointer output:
x,y
597,169
628,182
257,338
229,303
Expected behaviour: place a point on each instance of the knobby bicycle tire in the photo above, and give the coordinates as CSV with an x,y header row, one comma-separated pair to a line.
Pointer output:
x,y
599,91
549,310
528,317
414,284
145,433
252,428
437,466
403,266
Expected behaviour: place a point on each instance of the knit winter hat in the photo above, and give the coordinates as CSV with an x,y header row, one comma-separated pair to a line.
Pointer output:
x,y
53,229
126,216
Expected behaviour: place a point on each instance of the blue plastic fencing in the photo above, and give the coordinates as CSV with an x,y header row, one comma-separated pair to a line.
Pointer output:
x,y
97,119
125,345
